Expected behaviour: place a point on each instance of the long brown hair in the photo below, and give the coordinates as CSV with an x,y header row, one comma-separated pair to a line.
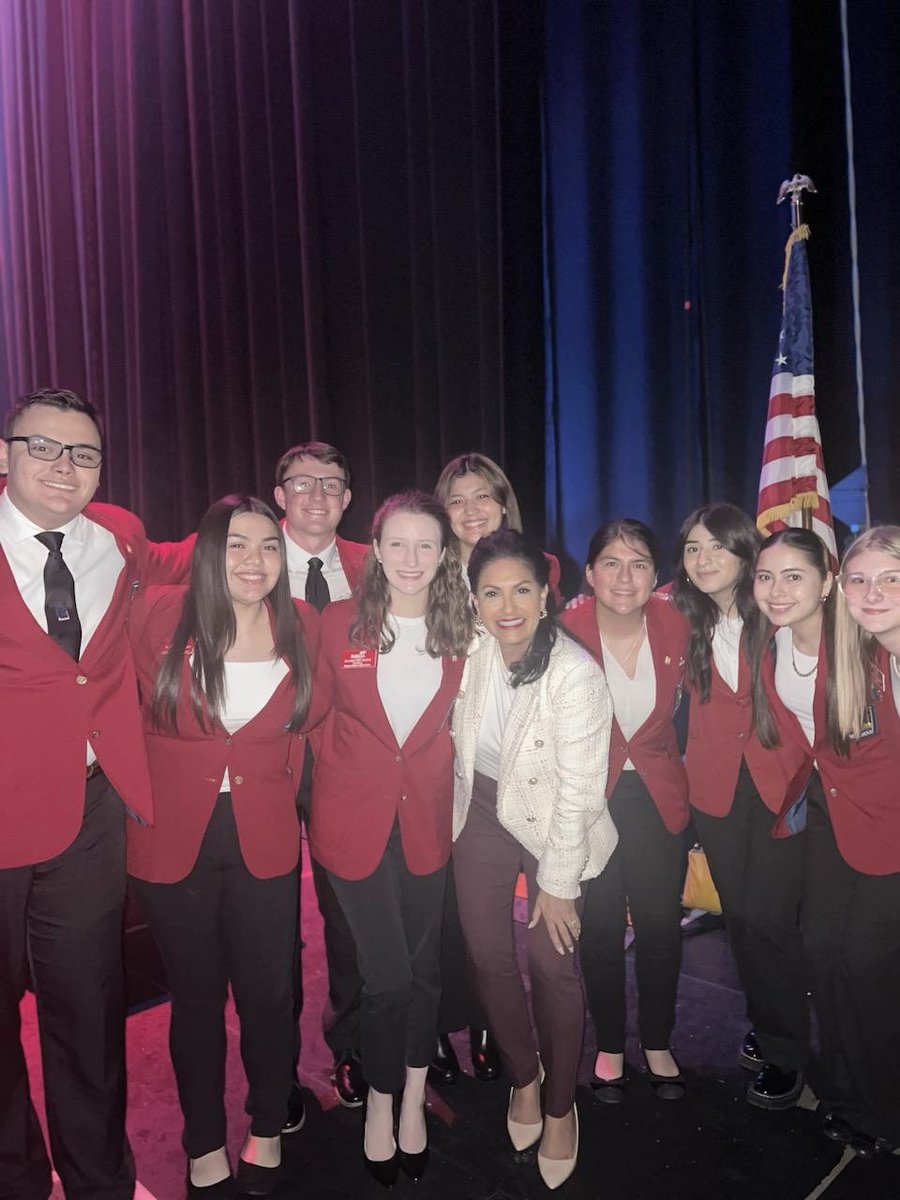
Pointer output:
x,y
501,489
449,620
208,624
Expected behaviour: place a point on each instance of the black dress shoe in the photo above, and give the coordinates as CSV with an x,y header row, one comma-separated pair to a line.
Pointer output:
x,y
775,1089
610,1091
254,1180
413,1165
485,1057
444,1066
837,1129
750,1057
383,1171
296,1115
348,1081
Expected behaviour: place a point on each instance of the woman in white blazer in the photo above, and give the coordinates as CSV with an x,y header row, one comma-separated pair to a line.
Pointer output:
x,y
531,729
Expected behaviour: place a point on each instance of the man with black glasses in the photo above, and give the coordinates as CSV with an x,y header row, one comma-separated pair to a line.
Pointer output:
x,y
313,488
72,750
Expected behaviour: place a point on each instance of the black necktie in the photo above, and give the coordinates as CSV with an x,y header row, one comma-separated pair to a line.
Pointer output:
x,y
317,593
63,624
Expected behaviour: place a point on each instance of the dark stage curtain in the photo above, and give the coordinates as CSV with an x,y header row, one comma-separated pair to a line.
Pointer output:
x,y
669,127
237,224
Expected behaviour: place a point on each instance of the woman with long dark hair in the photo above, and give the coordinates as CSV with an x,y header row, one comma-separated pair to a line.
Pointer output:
x,y
389,667
224,671
531,731
851,910
737,787
639,638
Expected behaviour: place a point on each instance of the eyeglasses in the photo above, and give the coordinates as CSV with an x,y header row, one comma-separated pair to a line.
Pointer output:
x,y
857,587
49,450
303,485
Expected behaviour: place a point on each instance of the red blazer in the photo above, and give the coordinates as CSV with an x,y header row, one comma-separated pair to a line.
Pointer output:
x,y
363,779
353,560
555,576
720,735
862,790
52,706
186,767
654,747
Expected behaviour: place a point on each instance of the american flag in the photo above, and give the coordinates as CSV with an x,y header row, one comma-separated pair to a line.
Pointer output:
x,y
793,489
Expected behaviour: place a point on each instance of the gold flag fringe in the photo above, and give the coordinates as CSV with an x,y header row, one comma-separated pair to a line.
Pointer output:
x,y
801,233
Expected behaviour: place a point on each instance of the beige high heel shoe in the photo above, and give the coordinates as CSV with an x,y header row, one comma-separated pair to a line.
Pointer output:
x,y
521,1135
555,1171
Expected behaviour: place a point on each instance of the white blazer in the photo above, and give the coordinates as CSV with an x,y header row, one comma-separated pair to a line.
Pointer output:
x,y
551,790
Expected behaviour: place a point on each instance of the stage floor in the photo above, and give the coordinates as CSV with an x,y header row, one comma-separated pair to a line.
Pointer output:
x,y
711,1144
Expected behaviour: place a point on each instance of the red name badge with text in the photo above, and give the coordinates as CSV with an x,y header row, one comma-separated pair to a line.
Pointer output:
x,y
352,660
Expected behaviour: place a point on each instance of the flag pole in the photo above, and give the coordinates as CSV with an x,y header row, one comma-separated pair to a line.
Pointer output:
x,y
795,188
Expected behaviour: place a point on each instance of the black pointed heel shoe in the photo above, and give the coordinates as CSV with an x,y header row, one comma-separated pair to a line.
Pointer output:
x,y
383,1170
413,1165
254,1180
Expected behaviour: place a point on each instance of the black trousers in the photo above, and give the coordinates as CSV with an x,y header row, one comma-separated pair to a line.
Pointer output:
x,y
851,924
64,917
395,917
646,871
340,1016
460,1007
221,924
760,882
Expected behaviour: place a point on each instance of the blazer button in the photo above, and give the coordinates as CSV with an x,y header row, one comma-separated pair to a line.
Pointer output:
x,y
538,742
531,820
832,791
229,741
458,774
404,798
95,733
81,680
398,758
238,779
533,779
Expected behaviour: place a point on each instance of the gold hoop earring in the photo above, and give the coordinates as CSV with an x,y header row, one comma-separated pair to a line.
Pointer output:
x,y
543,613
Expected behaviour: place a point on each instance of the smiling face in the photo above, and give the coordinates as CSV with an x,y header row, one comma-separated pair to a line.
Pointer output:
x,y
50,493
311,518
510,601
869,581
473,510
410,553
789,590
710,567
622,577
252,558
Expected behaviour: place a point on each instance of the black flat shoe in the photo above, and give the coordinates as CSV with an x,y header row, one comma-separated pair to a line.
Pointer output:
x,y
666,1087
610,1091
444,1066
750,1056
837,1129
296,1114
485,1056
413,1165
225,1189
254,1180
775,1089
383,1171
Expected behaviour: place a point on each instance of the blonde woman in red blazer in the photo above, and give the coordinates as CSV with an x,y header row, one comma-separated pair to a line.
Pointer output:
x,y
737,788
851,900
640,639
388,672
224,668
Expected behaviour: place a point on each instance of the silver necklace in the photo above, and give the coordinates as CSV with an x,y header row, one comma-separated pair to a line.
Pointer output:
x,y
634,645
797,671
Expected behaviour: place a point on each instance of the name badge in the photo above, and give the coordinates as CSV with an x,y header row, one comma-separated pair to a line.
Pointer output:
x,y
354,660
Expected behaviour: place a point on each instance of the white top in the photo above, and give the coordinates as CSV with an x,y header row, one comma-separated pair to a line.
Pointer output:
x,y
332,571
497,703
408,677
895,684
726,648
89,551
633,699
249,686
796,691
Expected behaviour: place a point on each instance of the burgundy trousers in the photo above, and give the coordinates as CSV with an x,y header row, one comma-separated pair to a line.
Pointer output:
x,y
486,863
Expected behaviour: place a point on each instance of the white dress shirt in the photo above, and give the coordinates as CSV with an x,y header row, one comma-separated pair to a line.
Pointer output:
x,y
298,569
